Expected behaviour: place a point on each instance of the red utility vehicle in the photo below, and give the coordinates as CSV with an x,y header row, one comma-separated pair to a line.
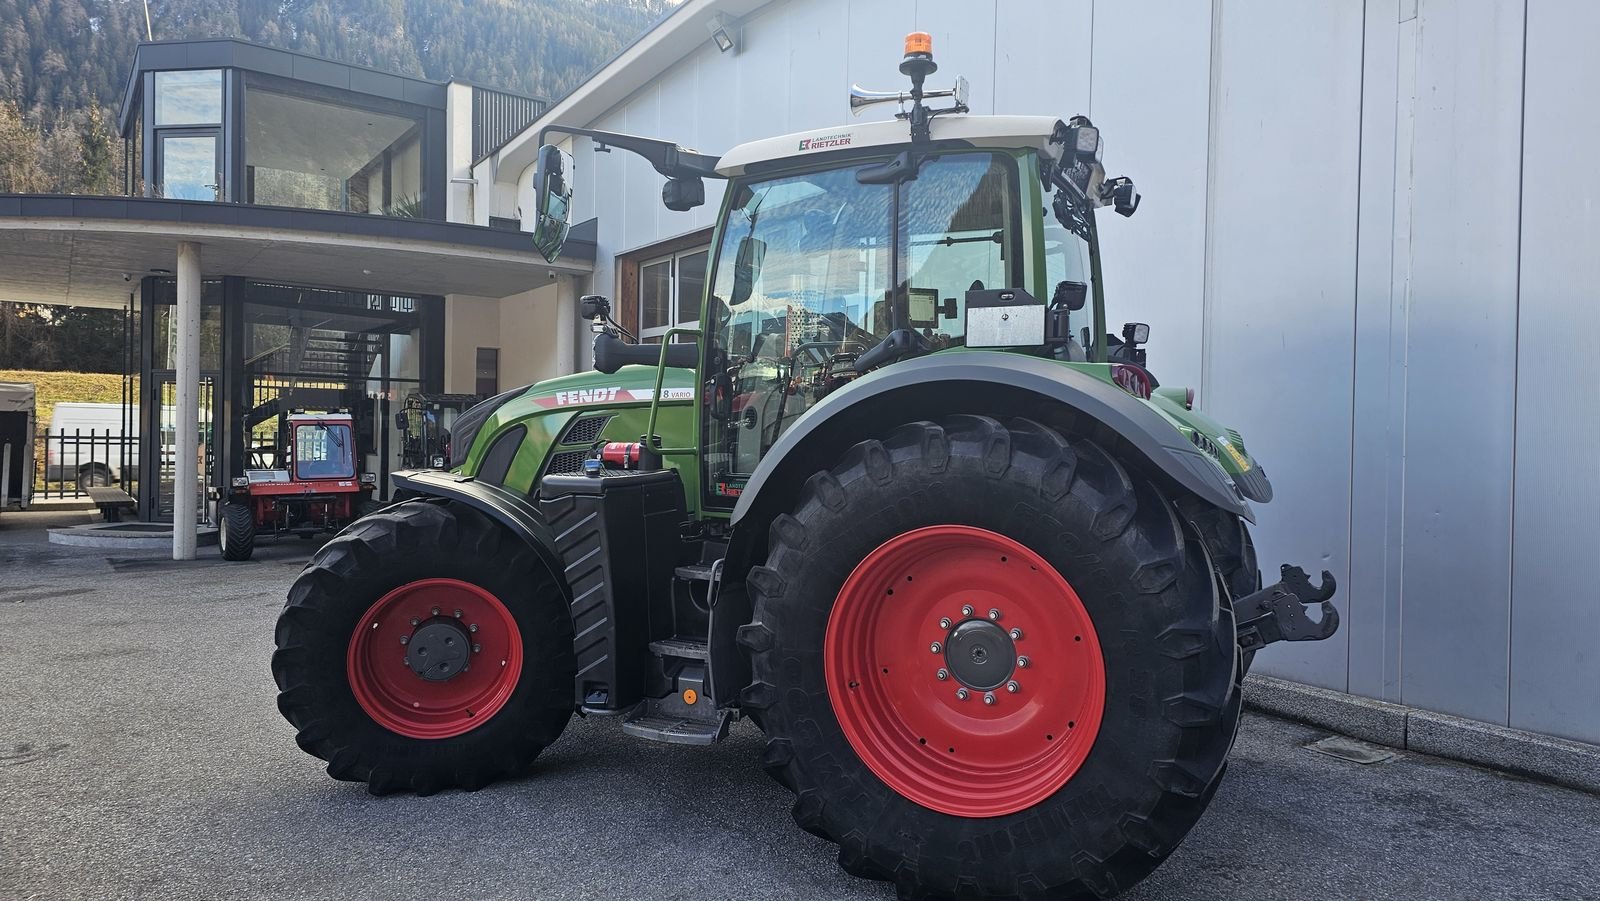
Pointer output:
x,y
307,486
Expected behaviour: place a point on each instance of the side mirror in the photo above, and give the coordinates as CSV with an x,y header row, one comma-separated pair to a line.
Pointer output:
x,y
1071,295
594,306
1124,196
552,202
683,193
1135,333
747,268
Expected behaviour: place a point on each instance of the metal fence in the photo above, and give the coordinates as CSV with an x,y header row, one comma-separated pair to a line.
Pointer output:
x,y
66,462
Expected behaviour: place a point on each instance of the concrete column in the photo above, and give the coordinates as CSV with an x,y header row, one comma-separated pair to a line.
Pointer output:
x,y
186,472
566,326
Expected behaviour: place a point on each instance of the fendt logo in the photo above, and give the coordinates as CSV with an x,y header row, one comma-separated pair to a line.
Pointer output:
x,y
586,396
839,140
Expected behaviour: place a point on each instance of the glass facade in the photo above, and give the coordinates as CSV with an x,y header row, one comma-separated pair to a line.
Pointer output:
x,y
239,135
320,155
267,349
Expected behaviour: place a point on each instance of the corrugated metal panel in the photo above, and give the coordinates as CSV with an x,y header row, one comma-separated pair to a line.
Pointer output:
x,y
1461,358
498,116
1555,634
1280,300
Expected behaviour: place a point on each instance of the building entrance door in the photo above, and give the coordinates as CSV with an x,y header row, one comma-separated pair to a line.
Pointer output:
x,y
165,440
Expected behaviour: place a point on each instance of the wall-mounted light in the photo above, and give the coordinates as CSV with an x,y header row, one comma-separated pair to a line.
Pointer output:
x,y
722,33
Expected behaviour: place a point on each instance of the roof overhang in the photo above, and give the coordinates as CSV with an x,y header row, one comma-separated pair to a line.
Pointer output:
x,y
92,251
675,36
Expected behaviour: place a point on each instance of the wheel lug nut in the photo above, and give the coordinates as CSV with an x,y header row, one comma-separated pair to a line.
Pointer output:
x,y
994,613
1016,634
436,611
1023,662
944,623
405,640
458,614
935,647
473,627
966,610
961,694
988,698
478,649
415,621
942,674
1013,686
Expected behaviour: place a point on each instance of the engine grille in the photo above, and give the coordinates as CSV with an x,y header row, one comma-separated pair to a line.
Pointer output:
x,y
566,463
585,429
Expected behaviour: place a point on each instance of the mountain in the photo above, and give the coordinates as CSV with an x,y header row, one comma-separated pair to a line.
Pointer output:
x,y
63,63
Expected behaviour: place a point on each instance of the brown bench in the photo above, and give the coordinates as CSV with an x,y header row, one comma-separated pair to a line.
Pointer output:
x,y
111,501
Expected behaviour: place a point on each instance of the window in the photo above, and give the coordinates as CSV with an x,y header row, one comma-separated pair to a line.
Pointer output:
x,y
488,372
189,98
318,155
188,135
803,287
323,451
670,289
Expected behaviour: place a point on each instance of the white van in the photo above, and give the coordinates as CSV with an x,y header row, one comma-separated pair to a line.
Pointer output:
x,y
16,445
94,448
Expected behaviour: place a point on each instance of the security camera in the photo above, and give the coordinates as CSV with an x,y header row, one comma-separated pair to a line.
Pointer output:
x,y
126,277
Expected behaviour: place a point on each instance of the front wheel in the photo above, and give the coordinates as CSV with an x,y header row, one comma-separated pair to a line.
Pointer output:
x,y
425,648
989,660
236,538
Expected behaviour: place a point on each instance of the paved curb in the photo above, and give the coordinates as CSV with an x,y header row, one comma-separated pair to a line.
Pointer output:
x,y
115,536
1573,764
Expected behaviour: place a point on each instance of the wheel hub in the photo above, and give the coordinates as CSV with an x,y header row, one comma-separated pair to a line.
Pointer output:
x,y
980,654
438,650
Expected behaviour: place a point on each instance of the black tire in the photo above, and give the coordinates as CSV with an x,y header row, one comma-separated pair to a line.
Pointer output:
x,y
1169,652
94,476
368,506
374,556
1233,553
236,538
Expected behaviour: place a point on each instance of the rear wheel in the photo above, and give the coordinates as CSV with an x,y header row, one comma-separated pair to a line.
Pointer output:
x,y
989,661
236,537
425,648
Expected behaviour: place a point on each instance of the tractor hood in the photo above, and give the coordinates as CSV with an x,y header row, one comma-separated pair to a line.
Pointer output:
x,y
630,384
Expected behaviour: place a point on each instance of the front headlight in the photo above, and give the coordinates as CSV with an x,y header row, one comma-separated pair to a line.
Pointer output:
x,y
369,478
241,482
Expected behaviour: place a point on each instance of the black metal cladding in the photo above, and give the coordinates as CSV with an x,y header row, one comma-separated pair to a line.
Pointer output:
x,y
497,117
497,462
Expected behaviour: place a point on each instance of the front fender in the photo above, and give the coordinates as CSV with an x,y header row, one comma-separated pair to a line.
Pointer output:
x,y
510,510
912,388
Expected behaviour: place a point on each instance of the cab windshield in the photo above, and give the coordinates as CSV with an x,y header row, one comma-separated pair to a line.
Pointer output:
x,y
815,269
322,451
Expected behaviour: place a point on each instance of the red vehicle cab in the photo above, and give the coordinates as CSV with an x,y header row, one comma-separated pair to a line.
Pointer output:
x,y
307,486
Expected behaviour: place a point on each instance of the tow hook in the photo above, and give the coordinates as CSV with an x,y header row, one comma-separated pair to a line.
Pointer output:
x,y
1277,612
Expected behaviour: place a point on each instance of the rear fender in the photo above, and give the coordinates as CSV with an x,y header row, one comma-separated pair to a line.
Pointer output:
x,y
984,382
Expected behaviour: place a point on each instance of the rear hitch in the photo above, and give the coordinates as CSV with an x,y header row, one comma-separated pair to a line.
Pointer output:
x,y
1277,612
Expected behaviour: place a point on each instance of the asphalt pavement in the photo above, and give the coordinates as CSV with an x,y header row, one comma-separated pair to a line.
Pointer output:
x,y
142,756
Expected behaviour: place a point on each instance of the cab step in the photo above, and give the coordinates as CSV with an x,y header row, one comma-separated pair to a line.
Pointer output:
x,y
686,648
650,721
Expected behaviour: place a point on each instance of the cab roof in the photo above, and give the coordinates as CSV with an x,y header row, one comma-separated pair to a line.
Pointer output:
x,y
980,131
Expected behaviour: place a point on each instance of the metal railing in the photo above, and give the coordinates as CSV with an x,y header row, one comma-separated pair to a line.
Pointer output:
x,y
68,461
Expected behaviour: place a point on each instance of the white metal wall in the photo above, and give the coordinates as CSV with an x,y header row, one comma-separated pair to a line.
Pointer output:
x,y
1369,238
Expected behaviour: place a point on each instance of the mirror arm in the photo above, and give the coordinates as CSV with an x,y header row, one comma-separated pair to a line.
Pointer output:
x,y
666,157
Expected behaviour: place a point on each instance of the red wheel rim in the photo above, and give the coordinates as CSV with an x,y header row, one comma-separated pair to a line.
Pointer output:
x,y
972,757
390,690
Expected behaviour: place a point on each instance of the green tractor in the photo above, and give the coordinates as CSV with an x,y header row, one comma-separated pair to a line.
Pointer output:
x,y
901,499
